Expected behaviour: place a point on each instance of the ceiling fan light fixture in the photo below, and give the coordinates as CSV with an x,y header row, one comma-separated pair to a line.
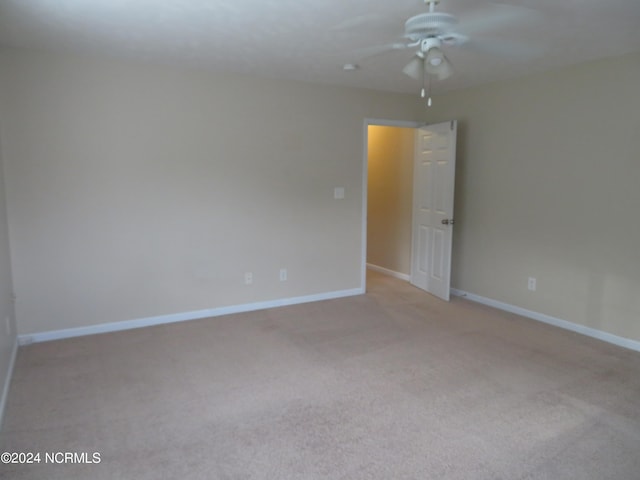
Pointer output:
x,y
415,68
435,57
436,64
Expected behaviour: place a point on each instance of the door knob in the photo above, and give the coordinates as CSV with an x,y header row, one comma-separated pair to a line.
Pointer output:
x,y
447,221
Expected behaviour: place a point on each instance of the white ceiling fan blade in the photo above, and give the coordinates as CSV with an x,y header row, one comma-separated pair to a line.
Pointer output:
x,y
415,68
508,49
368,52
495,17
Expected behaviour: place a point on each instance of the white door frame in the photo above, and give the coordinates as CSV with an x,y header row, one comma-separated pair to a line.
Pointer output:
x,y
365,182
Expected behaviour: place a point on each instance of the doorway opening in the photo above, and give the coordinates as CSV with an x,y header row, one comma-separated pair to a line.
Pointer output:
x,y
387,197
390,200
408,190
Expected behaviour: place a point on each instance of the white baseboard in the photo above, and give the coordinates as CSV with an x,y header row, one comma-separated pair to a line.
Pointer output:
x,y
179,317
392,273
541,317
7,381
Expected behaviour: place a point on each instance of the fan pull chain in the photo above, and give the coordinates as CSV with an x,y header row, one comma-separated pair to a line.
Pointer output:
x,y
426,86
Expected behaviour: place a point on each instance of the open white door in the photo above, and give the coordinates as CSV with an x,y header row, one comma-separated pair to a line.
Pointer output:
x,y
433,187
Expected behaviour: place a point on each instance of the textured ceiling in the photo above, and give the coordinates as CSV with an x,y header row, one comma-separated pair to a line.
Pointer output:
x,y
310,40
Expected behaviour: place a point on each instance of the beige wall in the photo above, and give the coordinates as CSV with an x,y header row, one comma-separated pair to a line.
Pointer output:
x,y
548,185
7,335
389,195
137,190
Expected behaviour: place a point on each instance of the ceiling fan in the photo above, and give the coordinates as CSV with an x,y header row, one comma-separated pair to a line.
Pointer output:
x,y
431,32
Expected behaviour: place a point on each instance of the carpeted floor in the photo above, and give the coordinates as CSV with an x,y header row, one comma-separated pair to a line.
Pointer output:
x,y
392,385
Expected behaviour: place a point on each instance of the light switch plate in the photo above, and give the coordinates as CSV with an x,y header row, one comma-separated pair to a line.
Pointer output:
x,y
338,193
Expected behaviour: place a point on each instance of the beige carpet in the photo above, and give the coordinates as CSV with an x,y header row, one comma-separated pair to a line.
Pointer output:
x,y
390,385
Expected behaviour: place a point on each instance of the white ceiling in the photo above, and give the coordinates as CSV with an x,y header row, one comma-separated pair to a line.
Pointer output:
x,y
309,39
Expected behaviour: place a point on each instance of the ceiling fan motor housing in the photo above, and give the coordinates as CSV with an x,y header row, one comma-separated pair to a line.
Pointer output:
x,y
429,43
429,24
